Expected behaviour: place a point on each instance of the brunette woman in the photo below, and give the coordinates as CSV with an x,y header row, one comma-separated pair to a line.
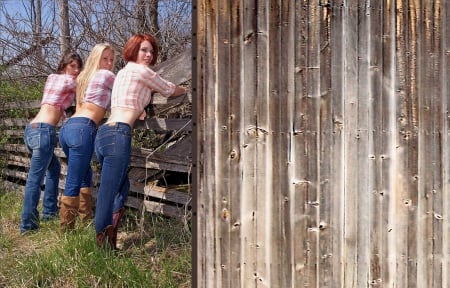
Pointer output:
x,y
40,140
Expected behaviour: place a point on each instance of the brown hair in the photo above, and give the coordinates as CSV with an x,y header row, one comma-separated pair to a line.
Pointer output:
x,y
67,59
131,49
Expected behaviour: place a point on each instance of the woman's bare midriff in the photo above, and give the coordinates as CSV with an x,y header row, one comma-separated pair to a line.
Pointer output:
x,y
48,114
124,115
91,111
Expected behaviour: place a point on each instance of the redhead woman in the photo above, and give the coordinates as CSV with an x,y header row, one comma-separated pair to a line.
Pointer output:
x,y
40,140
77,135
131,92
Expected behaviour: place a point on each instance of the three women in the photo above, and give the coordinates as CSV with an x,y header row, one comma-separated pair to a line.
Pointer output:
x,y
129,95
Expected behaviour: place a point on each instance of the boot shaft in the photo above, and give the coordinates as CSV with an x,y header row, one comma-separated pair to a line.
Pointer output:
x,y
68,212
85,208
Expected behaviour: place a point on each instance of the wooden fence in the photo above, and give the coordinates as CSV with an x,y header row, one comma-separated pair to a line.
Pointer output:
x,y
323,149
160,178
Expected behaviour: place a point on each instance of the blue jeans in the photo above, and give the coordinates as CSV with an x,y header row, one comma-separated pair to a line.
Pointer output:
x,y
40,140
113,149
76,138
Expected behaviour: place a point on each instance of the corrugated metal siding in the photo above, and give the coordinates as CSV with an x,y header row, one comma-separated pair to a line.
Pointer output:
x,y
322,154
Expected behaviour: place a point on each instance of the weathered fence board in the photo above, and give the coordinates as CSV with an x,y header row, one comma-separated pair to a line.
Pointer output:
x,y
323,143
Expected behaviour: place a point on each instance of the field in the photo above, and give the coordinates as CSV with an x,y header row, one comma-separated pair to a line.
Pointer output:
x,y
155,251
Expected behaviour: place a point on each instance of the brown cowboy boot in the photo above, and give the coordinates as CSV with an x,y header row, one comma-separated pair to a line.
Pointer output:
x,y
68,212
104,238
116,218
85,208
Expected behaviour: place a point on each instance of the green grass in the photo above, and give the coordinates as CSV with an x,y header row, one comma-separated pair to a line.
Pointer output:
x,y
154,252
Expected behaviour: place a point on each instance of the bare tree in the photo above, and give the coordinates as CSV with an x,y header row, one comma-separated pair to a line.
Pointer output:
x,y
30,45
36,18
64,25
153,15
141,15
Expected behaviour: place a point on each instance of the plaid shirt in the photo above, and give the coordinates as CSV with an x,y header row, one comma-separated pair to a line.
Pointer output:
x,y
59,91
99,88
134,85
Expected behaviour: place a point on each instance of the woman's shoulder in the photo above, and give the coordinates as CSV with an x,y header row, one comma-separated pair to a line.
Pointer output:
x,y
135,67
104,74
61,79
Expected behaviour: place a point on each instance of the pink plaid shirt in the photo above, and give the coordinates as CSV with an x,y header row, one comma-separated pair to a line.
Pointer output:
x,y
134,85
59,91
99,88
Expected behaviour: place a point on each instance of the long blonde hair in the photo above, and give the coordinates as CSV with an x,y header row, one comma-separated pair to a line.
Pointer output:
x,y
91,66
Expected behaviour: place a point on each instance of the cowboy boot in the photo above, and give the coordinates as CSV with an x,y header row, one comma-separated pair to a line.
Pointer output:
x,y
104,238
116,218
85,208
68,212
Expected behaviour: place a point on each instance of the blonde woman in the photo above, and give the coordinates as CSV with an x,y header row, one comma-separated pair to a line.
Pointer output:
x,y
77,135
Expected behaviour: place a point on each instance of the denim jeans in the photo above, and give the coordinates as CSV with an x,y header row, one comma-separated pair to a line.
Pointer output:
x,y
40,140
76,138
113,149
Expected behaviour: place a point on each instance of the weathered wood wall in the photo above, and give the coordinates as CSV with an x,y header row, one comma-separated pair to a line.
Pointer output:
x,y
149,171
322,155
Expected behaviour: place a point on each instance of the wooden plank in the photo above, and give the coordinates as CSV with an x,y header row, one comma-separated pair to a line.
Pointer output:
x,y
14,133
156,208
144,158
249,225
281,86
329,219
430,210
351,141
223,146
385,150
300,149
13,122
140,175
232,139
337,146
164,194
177,69
162,124
445,86
379,132
15,174
405,203
158,99
362,145
21,105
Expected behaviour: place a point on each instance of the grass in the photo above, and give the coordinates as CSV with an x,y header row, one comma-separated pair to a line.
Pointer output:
x,y
154,252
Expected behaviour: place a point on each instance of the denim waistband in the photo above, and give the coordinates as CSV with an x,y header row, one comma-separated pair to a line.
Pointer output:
x,y
40,125
82,120
117,125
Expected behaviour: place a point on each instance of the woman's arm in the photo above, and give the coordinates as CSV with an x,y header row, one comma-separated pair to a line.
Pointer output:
x,y
180,90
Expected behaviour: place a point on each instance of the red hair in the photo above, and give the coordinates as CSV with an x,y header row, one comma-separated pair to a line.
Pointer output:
x,y
131,49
